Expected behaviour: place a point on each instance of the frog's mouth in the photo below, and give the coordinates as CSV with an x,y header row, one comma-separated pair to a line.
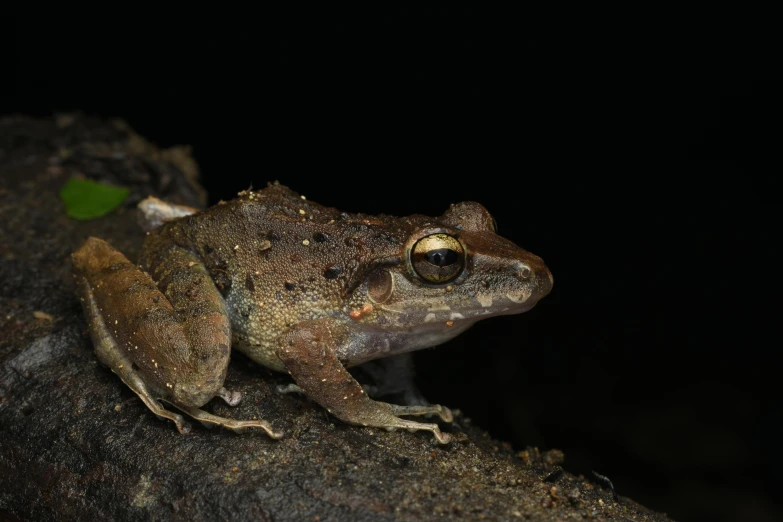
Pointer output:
x,y
476,314
436,317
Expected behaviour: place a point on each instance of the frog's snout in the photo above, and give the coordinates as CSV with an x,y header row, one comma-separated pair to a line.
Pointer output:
x,y
544,280
537,275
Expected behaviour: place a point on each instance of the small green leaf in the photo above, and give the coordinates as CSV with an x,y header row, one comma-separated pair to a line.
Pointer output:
x,y
86,199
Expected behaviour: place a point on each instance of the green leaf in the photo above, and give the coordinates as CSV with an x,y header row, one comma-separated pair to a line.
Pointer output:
x,y
86,199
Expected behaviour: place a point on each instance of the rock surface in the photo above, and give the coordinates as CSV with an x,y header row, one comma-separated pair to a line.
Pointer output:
x,y
76,444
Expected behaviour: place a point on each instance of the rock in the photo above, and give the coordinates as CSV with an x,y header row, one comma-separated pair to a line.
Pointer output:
x,y
76,443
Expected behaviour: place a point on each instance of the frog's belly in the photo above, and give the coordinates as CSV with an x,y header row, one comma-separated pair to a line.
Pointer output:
x,y
256,331
256,339
258,322
363,344
261,353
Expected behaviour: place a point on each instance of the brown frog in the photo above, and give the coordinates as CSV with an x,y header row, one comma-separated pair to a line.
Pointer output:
x,y
297,287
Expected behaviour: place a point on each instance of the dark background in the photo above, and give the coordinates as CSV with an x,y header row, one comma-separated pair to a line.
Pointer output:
x,y
630,150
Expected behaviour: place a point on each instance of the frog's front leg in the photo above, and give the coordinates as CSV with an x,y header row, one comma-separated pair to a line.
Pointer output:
x,y
308,354
169,342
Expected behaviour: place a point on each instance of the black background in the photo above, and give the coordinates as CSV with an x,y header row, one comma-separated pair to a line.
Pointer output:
x,y
630,150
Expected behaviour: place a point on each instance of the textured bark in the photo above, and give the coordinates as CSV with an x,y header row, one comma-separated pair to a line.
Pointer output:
x,y
76,444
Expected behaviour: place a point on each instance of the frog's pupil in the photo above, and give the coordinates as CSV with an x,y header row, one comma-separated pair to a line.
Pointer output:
x,y
442,257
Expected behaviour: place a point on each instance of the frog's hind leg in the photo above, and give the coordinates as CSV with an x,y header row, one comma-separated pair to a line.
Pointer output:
x,y
110,354
168,340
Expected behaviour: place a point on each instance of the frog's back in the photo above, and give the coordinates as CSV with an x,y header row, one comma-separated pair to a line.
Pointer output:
x,y
279,259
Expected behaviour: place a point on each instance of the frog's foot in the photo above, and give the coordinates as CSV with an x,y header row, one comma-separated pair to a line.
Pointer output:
x,y
131,378
232,398
410,397
136,327
208,419
391,425
308,355
138,386
442,411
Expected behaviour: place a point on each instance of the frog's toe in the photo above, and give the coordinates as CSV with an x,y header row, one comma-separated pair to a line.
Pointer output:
x,y
445,414
443,438
259,424
232,398
442,411
237,426
395,423
184,427
179,421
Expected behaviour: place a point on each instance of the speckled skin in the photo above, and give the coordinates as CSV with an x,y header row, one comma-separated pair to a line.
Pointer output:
x,y
299,288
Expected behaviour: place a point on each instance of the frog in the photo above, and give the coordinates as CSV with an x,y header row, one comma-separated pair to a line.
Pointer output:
x,y
299,288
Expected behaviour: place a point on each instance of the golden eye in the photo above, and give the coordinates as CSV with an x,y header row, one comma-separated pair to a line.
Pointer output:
x,y
438,258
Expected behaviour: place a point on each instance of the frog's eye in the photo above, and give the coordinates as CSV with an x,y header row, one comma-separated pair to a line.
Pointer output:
x,y
438,258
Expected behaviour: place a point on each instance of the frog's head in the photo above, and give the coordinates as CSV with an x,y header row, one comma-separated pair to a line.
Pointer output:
x,y
453,271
